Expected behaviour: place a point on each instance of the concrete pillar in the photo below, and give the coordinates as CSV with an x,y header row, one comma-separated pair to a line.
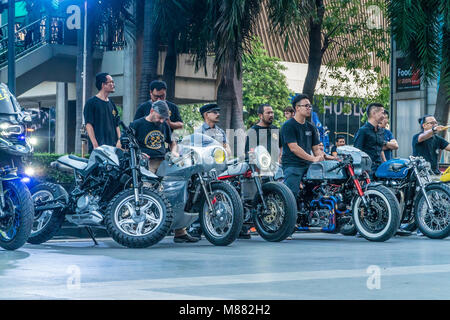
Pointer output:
x,y
129,71
61,118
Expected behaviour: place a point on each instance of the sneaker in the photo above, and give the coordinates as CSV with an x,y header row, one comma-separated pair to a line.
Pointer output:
x,y
419,233
403,233
185,238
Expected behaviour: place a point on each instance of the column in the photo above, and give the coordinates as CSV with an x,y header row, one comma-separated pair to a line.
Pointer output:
x,y
61,118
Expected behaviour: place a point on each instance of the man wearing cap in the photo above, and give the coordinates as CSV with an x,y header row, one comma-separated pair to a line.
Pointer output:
x,y
152,132
158,93
211,113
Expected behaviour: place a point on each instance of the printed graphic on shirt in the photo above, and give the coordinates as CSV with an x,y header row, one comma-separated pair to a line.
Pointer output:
x,y
154,139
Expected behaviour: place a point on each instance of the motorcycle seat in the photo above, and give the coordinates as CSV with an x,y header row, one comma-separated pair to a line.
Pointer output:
x,y
73,163
235,170
73,157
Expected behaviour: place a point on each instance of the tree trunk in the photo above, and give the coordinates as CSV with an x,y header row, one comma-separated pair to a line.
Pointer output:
x,y
170,66
316,51
442,105
139,41
229,97
150,53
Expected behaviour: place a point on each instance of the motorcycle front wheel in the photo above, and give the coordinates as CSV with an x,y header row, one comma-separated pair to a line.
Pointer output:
x,y
222,226
434,223
46,224
379,220
131,230
278,221
15,225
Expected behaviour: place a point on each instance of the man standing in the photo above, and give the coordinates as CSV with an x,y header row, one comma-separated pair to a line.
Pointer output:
x,y
391,144
299,139
152,132
427,144
370,137
211,113
340,142
101,115
158,92
264,133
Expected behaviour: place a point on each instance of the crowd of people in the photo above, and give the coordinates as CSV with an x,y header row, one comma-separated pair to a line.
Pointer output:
x,y
295,145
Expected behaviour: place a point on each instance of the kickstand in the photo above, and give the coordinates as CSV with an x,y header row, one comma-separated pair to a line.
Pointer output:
x,y
89,230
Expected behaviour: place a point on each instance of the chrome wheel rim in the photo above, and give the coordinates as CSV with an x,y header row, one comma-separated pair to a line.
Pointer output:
x,y
437,219
150,218
220,221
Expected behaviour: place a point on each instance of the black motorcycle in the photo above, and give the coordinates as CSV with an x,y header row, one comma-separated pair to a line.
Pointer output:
x,y
269,205
425,203
109,192
16,205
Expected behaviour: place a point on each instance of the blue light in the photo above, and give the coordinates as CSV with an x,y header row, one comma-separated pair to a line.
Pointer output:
x,y
21,137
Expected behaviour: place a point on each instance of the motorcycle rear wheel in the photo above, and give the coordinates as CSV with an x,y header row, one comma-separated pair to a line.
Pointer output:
x,y
223,227
47,224
20,218
281,217
383,221
436,224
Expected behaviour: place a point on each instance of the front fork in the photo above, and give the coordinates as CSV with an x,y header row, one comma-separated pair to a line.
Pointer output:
x,y
422,188
2,200
202,183
358,186
134,169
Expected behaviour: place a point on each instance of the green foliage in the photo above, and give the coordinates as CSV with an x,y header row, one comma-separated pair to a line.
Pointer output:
x,y
191,116
44,172
263,82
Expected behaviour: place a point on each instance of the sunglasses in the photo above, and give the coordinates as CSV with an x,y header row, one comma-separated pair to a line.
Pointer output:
x,y
307,106
161,96
215,112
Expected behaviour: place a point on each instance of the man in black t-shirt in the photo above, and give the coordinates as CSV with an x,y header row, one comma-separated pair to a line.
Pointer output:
x,y
264,133
152,132
429,145
158,93
370,137
101,115
299,139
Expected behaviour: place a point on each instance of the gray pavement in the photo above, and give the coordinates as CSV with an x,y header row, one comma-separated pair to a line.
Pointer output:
x,y
311,266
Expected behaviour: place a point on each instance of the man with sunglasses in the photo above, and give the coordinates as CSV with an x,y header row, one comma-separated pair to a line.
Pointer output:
x,y
300,143
428,144
211,113
158,93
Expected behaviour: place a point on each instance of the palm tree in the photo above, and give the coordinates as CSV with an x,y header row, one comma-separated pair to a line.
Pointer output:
x,y
421,29
225,27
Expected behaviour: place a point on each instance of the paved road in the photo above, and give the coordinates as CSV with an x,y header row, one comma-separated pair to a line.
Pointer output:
x,y
311,266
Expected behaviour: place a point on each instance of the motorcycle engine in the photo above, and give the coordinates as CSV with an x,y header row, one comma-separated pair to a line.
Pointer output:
x,y
87,212
319,218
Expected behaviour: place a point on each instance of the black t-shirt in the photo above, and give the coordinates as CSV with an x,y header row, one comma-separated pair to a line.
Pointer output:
x,y
264,136
371,142
152,136
333,149
104,118
305,135
429,149
144,109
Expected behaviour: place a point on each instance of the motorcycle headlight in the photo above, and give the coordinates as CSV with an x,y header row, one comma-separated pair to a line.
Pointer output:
x,y
29,171
262,158
33,141
219,155
7,129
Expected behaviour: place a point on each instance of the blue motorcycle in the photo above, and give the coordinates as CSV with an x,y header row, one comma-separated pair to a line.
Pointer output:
x,y
16,206
424,203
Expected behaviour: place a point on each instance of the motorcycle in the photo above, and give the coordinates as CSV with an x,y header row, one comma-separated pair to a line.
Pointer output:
x,y
191,179
269,205
16,205
108,193
338,196
425,203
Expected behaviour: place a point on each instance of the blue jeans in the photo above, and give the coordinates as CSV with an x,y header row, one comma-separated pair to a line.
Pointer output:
x,y
292,178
